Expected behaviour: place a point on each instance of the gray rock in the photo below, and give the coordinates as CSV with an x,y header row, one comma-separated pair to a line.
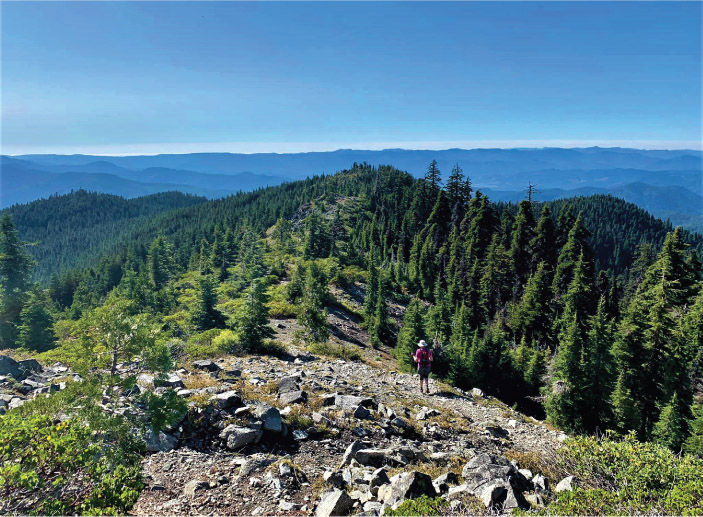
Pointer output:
x,y
373,508
227,400
493,494
15,403
300,435
478,393
351,451
443,483
160,443
321,419
378,479
334,478
526,473
399,422
540,482
351,402
30,365
566,484
192,487
293,397
170,380
206,364
375,457
361,413
288,506
271,418
10,367
333,502
254,463
406,485
145,380
238,437
534,500
290,383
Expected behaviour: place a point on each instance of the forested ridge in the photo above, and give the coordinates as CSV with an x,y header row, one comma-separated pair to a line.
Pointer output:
x,y
587,311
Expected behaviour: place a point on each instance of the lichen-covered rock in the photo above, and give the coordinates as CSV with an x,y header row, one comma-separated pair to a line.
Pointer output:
x,y
406,485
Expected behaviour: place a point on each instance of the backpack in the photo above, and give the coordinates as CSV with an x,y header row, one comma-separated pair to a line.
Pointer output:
x,y
423,357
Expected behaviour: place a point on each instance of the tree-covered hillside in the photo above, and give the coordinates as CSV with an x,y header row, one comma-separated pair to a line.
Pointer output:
x,y
75,229
588,312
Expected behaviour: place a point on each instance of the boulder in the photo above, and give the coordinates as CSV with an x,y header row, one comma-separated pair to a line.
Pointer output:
x,y
540,482
271,418
361,413
290,383
478,393
227,400
399,422
406,485
254,463
320,419
443,483
192,487
300,435
351,451
237,437
170,380
333,502
293,397
379,477
375,457
10,367
493,494
351,402
334,478
30,365
160,443
566,484
206,364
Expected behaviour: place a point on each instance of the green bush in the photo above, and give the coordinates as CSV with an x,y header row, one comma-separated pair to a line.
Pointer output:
x,y
59,468
204,345
628,477
423,505
331,350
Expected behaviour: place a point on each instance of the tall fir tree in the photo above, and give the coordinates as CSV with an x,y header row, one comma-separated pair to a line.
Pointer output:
x,y
15,268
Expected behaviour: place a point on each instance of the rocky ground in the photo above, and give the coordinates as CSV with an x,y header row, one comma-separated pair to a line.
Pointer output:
x,y
309,435
304,435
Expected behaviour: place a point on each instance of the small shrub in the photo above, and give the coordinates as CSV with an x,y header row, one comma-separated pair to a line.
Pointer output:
x,y
423,505
331,350
204,346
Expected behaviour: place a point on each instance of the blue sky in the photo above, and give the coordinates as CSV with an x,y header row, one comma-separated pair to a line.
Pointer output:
x,y
149,77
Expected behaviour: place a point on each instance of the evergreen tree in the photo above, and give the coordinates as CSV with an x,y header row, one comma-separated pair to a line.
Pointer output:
x,y
672,427
520,251
160,262
15,268
626,414
412,331
433,176
317,241
312,314
252,322
544,243
576,245
531,319
204,315
36,332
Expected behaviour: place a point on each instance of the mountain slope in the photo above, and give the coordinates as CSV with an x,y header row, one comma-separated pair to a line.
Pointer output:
x,y
73,229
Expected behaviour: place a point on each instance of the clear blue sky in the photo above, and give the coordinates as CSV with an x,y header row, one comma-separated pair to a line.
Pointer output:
x,y
179,77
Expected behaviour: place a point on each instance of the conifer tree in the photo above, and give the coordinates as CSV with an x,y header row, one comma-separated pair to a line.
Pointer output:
x,y
204,315
15,268
317,241
520,251
576,245
544,243
672,427
252,322
433,176
626,413
495,283
531,319
312,313
36,331
412,331
160,262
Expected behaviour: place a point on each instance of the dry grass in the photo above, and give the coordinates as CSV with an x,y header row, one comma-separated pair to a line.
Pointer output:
x,y
538,462
432,469
199,380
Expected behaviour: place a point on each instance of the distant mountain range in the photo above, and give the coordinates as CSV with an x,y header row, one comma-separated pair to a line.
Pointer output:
x,y
666,183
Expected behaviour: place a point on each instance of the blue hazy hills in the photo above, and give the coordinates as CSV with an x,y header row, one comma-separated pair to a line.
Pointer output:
x,y
667,183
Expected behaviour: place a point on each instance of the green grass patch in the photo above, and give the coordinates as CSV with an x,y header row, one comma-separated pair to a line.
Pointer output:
x,y
423,505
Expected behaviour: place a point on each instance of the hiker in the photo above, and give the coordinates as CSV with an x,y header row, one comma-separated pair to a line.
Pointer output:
x,y
423,358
